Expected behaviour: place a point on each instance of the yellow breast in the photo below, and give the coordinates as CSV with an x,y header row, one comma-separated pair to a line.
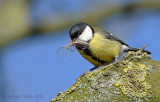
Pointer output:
x,y
104,49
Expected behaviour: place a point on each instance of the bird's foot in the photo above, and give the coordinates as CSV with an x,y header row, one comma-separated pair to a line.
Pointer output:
x,y
116,61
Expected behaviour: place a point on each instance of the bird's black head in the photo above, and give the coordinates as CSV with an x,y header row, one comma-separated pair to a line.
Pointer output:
x,y
81,31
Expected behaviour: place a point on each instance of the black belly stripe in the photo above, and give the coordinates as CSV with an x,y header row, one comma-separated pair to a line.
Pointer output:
x,y
87,51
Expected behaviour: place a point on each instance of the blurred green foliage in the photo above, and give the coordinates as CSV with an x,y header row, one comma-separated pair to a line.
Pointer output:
x,y
15,17
14,20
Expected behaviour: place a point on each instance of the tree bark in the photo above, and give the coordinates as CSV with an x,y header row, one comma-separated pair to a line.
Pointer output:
x,y
135,78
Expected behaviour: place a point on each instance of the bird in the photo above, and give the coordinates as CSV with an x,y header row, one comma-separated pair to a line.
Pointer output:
x,y
98,46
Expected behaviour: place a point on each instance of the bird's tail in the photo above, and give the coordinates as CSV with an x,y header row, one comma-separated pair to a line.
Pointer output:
x,y
135,49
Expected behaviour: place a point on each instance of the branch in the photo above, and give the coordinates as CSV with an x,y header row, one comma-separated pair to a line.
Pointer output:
x,y
134,78
94,16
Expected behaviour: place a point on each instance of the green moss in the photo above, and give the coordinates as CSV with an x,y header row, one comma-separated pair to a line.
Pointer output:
x,y
135,79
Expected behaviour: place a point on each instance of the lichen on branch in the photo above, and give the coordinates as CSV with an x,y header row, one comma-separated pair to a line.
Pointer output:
x,y
134,78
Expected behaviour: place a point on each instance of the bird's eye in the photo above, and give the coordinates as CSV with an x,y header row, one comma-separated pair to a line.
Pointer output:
x,y
76,30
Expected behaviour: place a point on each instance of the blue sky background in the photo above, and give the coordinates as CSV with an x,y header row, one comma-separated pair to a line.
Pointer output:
x,y
35,72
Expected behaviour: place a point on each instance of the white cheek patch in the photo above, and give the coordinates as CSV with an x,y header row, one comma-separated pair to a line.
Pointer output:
x,y
86,34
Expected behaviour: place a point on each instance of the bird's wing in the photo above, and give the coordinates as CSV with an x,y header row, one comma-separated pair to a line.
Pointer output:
x,y
109,35
112,37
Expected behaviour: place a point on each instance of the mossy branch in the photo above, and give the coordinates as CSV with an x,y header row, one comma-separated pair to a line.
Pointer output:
x,y
135,78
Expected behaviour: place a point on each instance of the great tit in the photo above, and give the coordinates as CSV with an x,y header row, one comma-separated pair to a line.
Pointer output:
x,y
97,46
